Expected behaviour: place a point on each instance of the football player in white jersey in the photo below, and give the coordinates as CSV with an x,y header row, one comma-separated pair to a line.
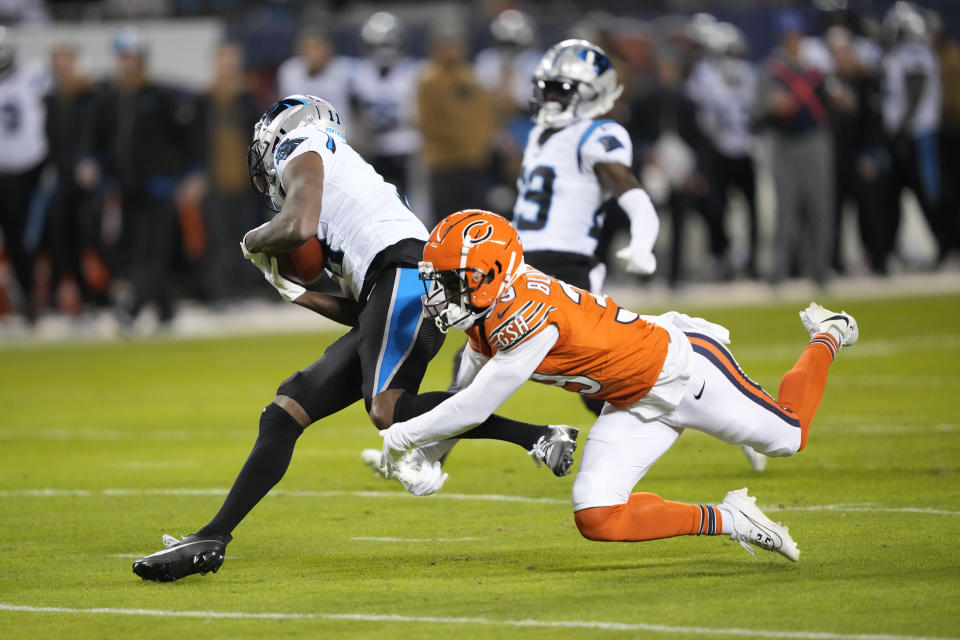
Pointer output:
x,y
574,164
318,70
301,164
385,85
912,98
23,147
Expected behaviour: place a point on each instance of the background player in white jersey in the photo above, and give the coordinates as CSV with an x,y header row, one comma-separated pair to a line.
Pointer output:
x,y
23,148
723,85
912,98
318,70
385,87
301,164
574,164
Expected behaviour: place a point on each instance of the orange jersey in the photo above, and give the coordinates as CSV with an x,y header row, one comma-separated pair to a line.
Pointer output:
x,y
604,351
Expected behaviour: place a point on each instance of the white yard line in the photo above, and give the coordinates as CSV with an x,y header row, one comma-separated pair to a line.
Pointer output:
x,y
140,555
552,624
477,497
390,539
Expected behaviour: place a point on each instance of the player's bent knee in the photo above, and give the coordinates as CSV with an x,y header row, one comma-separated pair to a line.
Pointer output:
x,y
294,409
382,407
598,523
780,447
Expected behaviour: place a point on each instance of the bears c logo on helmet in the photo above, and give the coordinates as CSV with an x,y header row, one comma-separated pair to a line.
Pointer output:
x,y
484,230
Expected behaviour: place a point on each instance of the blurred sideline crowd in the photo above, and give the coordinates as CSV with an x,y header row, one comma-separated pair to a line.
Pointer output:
x,y
123,192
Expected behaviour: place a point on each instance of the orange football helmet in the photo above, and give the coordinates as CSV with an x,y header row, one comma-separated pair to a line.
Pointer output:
x,y
473,255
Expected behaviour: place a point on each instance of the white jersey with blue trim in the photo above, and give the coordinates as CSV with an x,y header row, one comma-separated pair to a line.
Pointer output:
x,y
903,60
724,90
559,199
23,139
360,214
388,104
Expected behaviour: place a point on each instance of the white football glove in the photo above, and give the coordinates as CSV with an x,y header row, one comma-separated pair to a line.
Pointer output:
x,y
421,480
638,260
394,448
289,291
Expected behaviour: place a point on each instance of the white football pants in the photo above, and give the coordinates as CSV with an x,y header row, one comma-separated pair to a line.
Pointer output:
x,y
719,400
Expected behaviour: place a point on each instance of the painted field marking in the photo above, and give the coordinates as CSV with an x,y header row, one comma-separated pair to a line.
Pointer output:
x,y
390,539
140,555
479,497
554,624
86,493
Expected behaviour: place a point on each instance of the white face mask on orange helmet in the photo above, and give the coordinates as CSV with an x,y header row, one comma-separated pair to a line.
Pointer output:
x,y
469,260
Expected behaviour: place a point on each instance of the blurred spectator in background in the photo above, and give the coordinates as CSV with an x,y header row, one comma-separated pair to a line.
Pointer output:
x,y
911,119
226,115
144,144
860,157
23,147
792,103
457,121
385,86
664,130
948,51
79,273
723,84
505,69
317,71
31,12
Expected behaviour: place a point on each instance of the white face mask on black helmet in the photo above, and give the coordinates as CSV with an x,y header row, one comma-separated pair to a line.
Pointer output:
x,y
574,80
283,117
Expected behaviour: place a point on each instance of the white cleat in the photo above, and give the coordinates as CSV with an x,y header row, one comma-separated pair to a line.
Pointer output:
x,y
758,461
371,458
752,527
817,319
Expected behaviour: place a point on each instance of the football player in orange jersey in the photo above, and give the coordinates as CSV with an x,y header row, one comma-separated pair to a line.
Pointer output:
x,y
657,375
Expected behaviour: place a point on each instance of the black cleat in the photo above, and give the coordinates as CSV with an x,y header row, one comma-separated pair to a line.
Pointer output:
x,y
182,558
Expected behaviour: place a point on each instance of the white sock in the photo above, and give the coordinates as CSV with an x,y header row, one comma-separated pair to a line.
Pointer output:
x,y
835,332
726,519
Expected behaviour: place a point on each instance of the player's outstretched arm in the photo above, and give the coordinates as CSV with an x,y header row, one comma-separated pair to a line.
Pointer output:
x,y
493,384
298,218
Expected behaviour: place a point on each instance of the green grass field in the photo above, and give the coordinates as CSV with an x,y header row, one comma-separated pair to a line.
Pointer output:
x,y
105,447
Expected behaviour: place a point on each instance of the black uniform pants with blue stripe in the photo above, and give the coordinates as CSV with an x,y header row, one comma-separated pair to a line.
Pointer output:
x,y
389,349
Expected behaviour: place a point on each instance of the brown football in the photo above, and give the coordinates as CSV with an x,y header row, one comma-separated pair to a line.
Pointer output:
x,y
303,265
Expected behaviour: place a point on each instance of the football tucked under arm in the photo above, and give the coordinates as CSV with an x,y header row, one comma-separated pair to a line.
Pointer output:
x,y
493,384
291,271
303,265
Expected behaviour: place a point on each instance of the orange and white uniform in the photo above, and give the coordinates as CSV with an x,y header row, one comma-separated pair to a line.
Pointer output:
x,y
602,350
657,374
